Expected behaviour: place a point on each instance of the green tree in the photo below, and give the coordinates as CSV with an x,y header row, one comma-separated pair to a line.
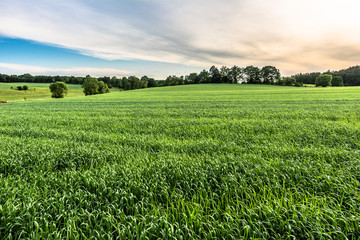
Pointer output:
x,y
135,82
90,86
225,74
337,81
103,88
191,78
236,74
215,76
323,80
269,74
58,89
125,83
288,81
152,83
203,77
253,74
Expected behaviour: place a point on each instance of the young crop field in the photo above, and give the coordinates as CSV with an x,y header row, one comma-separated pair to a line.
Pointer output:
x,y
186,162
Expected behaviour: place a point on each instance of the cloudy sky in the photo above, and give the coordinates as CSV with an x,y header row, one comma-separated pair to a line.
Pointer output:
x,y
158,37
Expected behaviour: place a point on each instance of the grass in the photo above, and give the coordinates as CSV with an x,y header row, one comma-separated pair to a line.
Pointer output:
x,y
185,162
36,91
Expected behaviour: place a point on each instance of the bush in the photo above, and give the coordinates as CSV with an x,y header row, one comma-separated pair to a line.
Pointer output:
x,y
298,84
25,88
337,81
288,81
90,86
323,80
58,89
103,88
93,86
19,88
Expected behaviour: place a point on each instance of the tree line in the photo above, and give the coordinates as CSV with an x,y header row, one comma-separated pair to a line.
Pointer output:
x,y
233,75
349,76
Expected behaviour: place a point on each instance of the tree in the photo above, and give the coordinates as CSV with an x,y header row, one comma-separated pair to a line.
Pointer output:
x,y
191,78
288,81
323,80
269,74
337,81
134,82
306,78
25,88
236,74
215,75
125,83
152,83
203,77
225,74
106,80
253,74
58,89
90,86
103,88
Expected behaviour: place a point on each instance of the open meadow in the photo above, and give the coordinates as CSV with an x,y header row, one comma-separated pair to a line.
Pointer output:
x,y
184,162
36,91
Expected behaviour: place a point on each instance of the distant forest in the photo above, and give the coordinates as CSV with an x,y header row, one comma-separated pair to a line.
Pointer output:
x,y
233,75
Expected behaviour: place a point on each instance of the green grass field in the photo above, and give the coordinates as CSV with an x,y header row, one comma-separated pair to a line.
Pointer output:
x,y
36,91
185,162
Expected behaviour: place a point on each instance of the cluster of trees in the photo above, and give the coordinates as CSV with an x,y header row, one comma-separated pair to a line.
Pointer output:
x,y
234,75
40,79
344,77
93,86
325,80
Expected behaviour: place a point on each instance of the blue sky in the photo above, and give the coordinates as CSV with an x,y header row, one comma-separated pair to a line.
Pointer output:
x,y
158,38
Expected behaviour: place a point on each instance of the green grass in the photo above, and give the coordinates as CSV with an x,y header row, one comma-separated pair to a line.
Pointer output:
x,y
191,162
36,91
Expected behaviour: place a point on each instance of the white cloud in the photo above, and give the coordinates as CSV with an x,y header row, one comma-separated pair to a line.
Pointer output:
x,y
76,71
193,32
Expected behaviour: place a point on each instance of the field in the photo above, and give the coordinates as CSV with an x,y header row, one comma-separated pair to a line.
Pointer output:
x,y
9,92
185,162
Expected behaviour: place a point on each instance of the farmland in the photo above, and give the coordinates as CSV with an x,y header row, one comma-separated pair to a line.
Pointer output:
x,y
191,162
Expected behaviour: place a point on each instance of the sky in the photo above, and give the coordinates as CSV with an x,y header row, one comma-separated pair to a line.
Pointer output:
x,y
158,38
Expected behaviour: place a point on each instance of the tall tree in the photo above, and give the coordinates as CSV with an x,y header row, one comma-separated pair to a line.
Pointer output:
x,y
225,74
236,74
252,74
203,77
269,74
215,76
90,86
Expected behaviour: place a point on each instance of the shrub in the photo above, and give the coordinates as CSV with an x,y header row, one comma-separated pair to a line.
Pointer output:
x,y
298,84
323,80
90,86
25,88
19,88
337,81
93,86
288,81
103,88
58,89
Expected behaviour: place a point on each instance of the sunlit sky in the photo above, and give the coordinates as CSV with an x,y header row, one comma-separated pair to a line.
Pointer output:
x,y
158,38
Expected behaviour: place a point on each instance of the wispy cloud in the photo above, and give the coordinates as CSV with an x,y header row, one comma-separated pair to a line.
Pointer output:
x,y
77,71
194,32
